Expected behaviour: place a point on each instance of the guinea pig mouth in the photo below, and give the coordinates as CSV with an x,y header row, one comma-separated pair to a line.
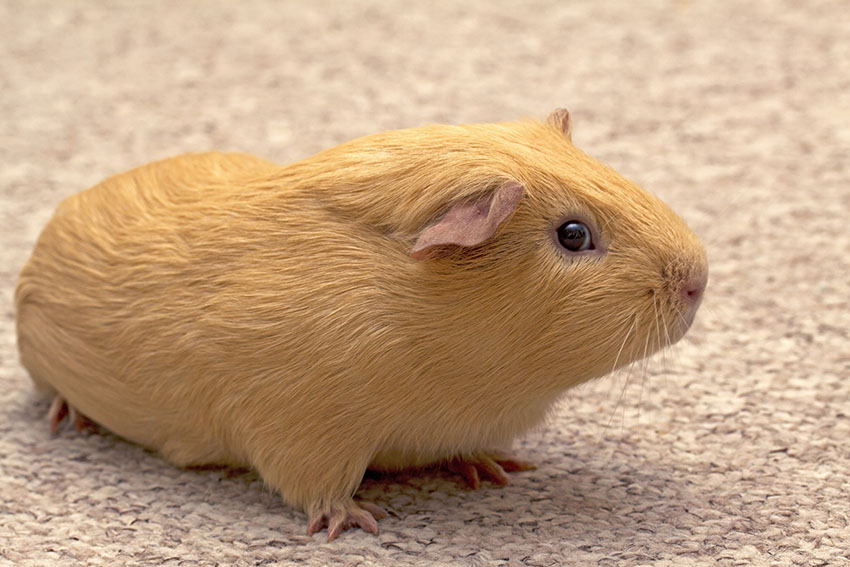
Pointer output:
x,y
672,322
684,319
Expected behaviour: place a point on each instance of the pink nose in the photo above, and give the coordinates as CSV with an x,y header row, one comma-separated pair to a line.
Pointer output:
x,y
693,288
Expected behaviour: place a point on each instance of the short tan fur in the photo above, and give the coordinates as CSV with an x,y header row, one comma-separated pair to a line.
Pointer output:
x,y
220,308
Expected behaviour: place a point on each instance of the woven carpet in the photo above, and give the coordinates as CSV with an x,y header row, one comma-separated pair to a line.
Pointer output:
x,y
733,448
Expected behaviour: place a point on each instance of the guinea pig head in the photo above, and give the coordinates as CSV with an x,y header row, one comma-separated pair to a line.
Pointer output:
x,y
562,264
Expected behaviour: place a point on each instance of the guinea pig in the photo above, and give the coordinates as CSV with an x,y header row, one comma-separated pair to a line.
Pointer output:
x,y
409,298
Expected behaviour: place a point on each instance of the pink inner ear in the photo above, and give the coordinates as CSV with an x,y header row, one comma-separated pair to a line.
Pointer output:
x,y
469,224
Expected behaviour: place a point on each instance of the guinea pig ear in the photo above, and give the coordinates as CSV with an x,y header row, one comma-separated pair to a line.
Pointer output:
x,y
560,119
470,223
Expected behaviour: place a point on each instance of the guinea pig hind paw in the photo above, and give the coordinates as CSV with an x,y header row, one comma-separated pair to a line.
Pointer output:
x,y
493,467
59,409
351,514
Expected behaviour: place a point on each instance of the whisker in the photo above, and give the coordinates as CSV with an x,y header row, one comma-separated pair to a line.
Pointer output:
x,y
657,340
625,339
713,234
612,384
628,377
613,372
644,370
666,330
683,320
658,344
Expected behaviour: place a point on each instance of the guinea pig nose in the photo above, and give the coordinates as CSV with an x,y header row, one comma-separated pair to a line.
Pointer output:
x,y
693,288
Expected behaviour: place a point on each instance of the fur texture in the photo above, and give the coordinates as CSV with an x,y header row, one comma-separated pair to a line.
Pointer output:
x,y
222,309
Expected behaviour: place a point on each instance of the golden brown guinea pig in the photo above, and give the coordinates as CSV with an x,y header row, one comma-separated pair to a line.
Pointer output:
x,y
411,297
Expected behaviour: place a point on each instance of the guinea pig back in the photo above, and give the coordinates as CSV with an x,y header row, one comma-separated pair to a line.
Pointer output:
x,y
407,298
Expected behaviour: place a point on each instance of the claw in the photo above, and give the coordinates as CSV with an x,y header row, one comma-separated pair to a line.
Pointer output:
x,y
57,412
493,467
377,512
515,465
468,470
59,409
316,524
363,515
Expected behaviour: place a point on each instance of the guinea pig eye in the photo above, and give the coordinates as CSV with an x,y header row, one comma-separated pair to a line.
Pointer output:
x,y
575,236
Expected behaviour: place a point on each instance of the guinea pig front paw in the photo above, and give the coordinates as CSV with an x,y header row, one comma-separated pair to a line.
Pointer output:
x,y
351,514
59,409
487,466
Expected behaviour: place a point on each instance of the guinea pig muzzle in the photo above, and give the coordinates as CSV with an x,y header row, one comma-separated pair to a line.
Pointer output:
x,y
691,292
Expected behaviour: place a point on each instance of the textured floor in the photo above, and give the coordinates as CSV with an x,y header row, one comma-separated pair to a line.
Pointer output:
x,y
732,449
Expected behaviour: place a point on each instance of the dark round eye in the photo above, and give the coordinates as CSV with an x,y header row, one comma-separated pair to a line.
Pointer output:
x,y
575,236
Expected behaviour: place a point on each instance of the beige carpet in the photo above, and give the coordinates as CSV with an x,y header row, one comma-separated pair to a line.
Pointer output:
x,y
732,449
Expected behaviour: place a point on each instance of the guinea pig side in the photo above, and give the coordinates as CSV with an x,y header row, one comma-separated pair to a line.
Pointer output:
x,y
405,298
